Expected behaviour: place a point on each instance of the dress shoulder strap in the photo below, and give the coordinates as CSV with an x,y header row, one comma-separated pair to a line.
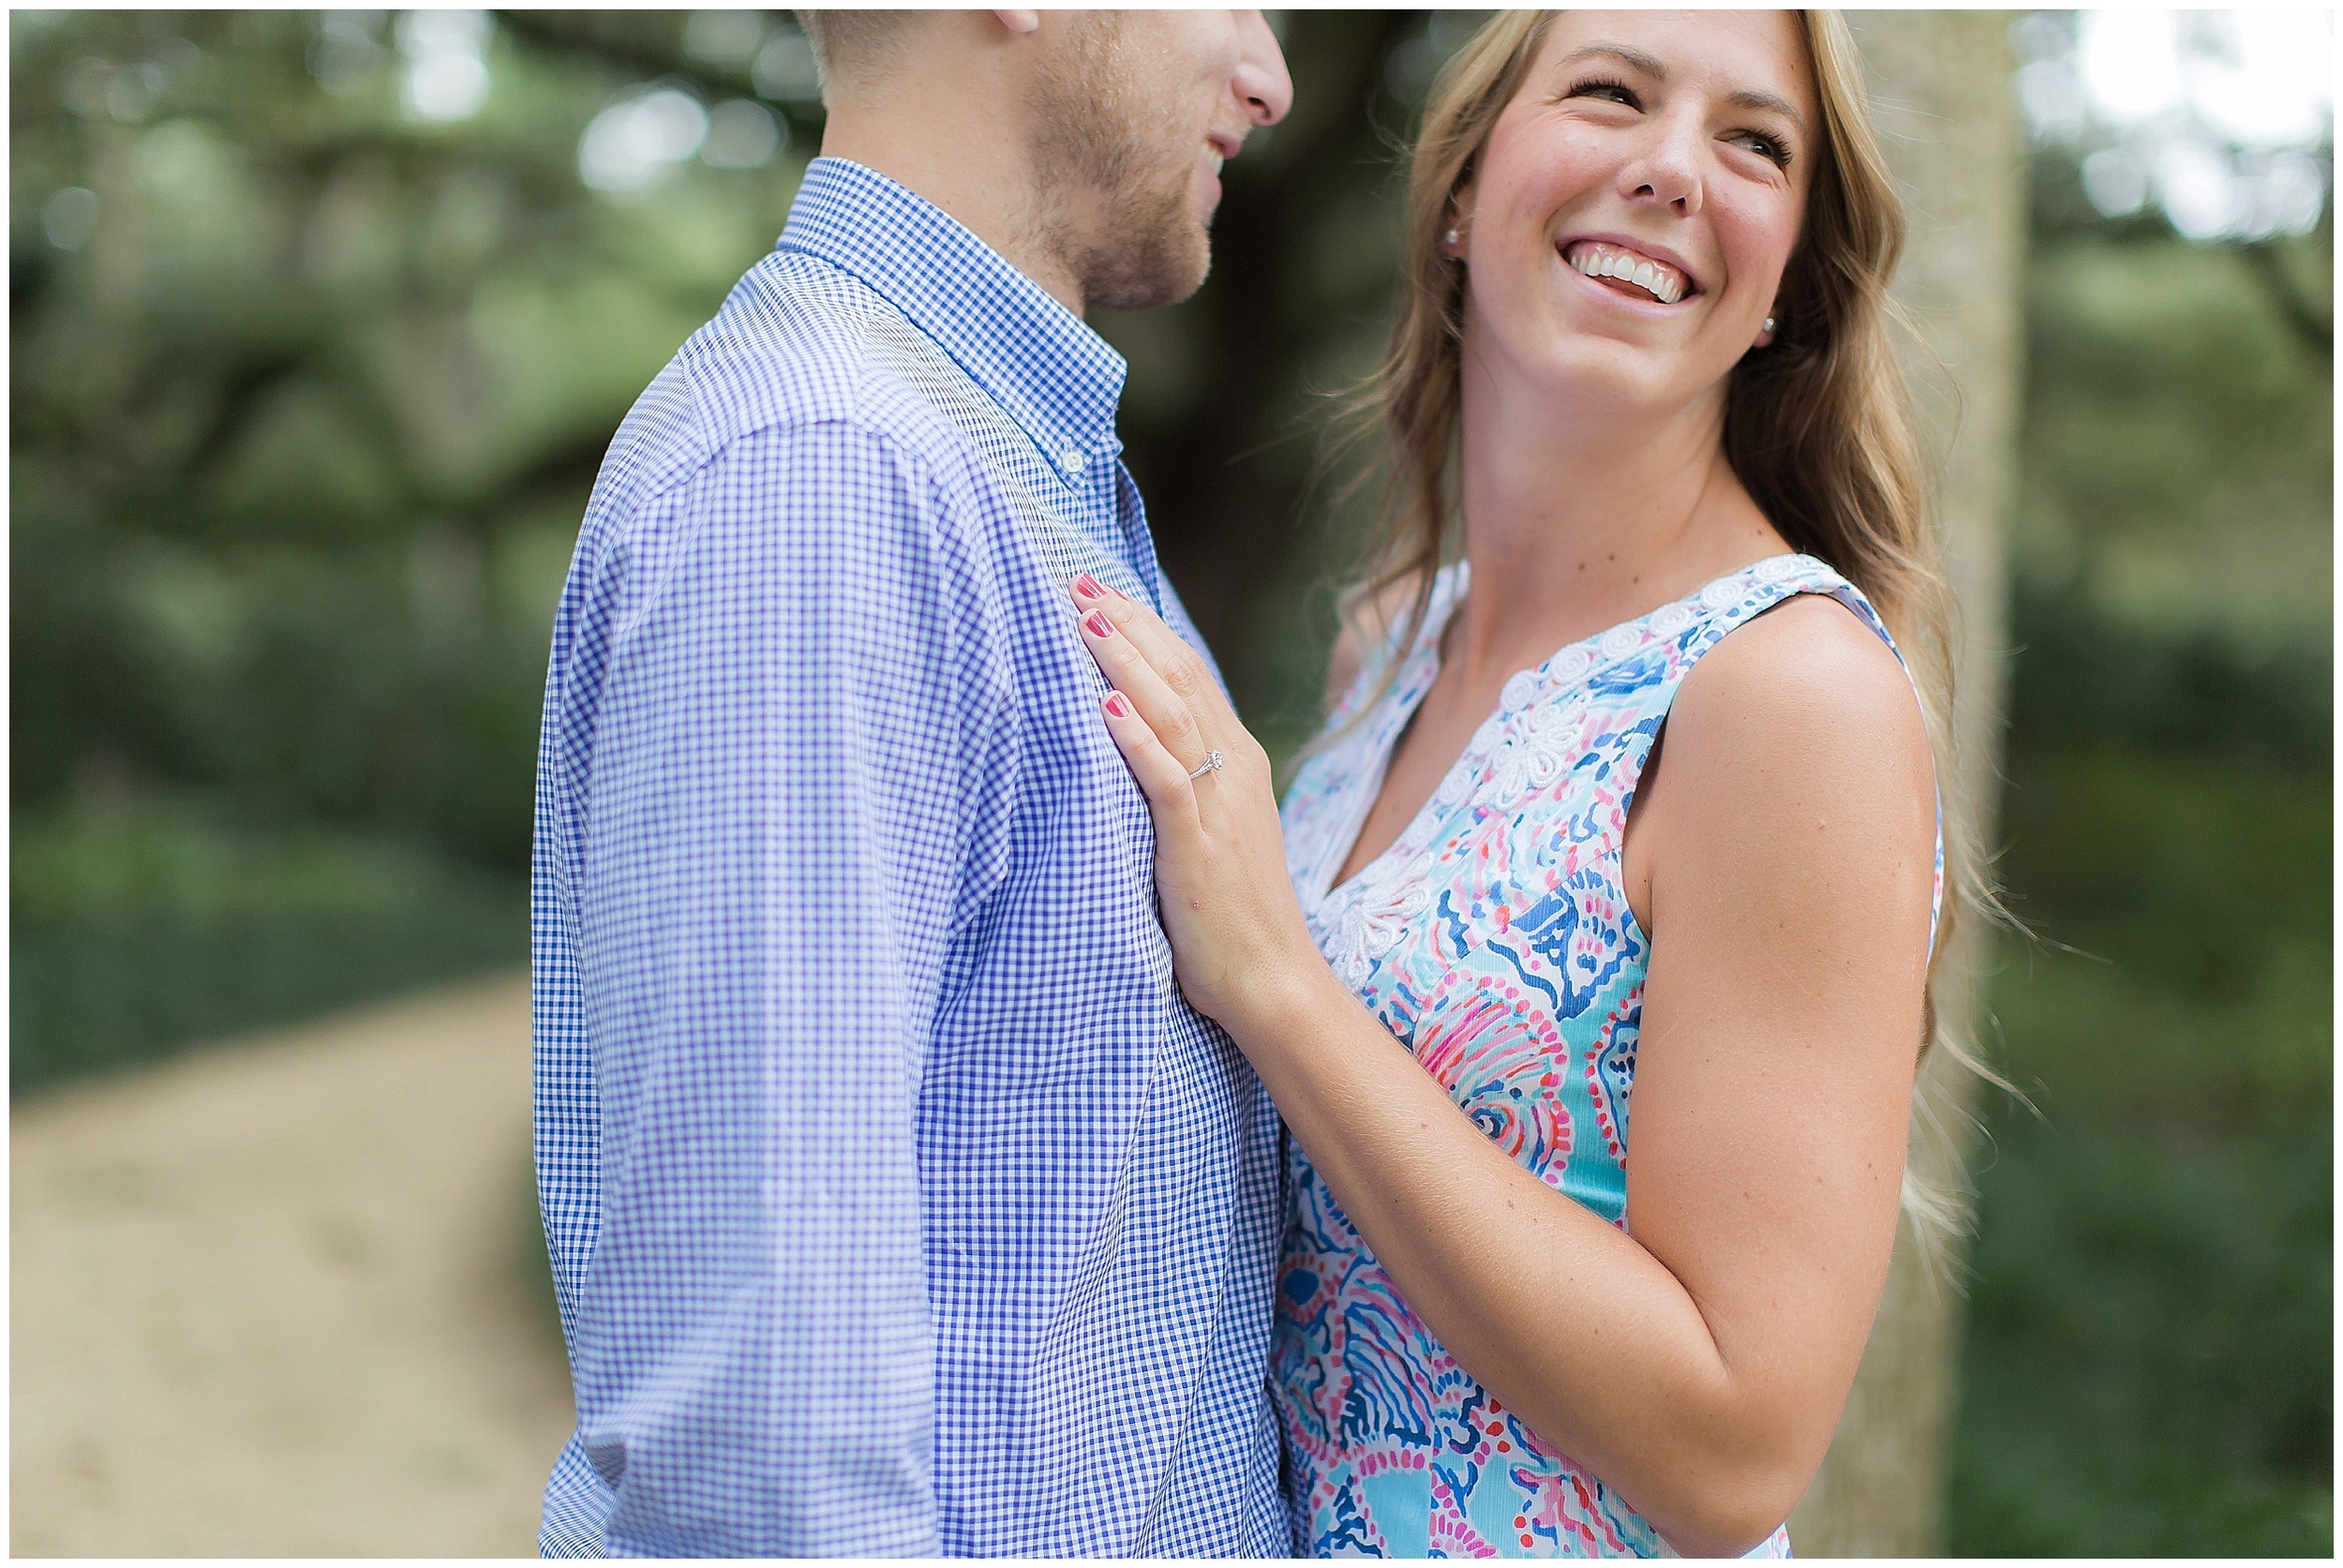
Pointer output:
x,y
1730,601
1395,647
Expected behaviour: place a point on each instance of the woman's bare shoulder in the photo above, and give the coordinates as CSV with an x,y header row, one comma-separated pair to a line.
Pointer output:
x,y
1803,712
1811,658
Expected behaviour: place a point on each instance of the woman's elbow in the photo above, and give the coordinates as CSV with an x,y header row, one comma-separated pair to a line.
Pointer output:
x,y
1726,1509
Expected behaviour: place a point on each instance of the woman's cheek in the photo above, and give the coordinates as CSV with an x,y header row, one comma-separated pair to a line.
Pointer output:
x,y
1756,233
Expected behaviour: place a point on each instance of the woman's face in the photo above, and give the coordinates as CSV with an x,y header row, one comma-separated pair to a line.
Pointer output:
x,y
1628,222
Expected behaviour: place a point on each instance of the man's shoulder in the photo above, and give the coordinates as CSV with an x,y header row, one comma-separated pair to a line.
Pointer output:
x,y
807,385
801,343
799,346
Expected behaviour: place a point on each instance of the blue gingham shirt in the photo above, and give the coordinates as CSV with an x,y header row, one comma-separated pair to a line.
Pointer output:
x,y
897,1202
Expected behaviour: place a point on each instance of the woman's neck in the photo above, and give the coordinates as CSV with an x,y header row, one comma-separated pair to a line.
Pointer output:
x,y
1578,518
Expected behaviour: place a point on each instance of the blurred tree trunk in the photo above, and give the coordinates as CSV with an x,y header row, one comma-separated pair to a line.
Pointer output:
x,y
1941,95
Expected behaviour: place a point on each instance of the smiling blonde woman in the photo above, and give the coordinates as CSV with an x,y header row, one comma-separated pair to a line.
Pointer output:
x,y
1635,802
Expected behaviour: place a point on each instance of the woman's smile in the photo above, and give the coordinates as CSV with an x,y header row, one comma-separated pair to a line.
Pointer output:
x,y
1628,271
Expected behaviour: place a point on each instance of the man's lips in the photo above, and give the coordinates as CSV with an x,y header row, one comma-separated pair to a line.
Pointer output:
x,y
1629,270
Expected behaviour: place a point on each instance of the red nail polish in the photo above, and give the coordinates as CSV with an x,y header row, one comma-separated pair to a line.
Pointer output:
x,y
1116,706
1087,586
1098,625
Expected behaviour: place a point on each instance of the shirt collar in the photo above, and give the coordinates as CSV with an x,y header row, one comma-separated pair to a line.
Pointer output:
x,y
1057,378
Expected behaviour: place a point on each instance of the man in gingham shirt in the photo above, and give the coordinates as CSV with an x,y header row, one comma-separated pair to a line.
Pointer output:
x,y
897,1202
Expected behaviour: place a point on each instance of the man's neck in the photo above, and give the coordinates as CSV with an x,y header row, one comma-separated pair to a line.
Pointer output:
x,y
979,174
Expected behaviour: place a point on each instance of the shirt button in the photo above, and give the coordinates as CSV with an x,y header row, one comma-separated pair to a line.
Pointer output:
x,y
1072,460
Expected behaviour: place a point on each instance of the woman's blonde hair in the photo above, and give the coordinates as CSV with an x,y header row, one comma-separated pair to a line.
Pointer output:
x,y
1818,426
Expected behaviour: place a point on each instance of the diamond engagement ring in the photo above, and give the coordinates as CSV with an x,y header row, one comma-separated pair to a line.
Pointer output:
x,y
1213,763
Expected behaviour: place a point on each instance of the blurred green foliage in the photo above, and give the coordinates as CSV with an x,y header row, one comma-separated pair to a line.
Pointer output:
x,y
301,432
139,930
2178,440
2149,1364
302,424
301,429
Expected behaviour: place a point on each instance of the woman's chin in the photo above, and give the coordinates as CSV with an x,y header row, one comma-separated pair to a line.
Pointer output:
x,y
1602,375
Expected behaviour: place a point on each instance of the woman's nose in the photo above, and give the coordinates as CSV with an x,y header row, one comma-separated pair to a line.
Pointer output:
x,y
1666,168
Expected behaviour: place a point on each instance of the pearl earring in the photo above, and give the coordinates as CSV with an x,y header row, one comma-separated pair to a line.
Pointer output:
x,y
1456,236
1769,323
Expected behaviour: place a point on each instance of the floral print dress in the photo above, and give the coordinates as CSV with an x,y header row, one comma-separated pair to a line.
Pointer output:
x,y
1494,939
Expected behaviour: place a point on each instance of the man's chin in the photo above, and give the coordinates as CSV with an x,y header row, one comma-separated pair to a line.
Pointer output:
x,y
1162,270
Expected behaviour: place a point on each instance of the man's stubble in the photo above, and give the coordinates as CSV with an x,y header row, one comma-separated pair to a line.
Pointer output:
x,y
1113,164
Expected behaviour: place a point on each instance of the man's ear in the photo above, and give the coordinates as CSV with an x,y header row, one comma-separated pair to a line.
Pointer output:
x,y
1020,21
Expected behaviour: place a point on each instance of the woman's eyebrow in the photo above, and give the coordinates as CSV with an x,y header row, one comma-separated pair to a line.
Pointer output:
x,y
1656,68
1751,99
1651,65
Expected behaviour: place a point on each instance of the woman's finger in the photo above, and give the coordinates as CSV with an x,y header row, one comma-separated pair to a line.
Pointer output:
x,y
1171,719
1181,667
1170,794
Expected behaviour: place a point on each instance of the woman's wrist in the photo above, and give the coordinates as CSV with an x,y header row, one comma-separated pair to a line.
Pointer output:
x,y
1283,989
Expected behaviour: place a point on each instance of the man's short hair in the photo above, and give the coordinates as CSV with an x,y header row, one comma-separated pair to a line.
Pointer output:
x,y
851,46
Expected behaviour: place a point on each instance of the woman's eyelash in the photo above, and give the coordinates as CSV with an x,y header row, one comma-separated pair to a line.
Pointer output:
x,y
1770,145
1604,85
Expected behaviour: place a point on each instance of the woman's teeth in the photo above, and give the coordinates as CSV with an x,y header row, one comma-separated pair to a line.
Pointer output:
x,y
1656,278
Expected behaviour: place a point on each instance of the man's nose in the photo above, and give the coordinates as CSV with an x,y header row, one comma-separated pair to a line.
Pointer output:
x,y
1261,83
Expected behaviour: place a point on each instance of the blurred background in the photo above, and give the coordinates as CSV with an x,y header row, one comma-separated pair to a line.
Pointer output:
x,y
319,325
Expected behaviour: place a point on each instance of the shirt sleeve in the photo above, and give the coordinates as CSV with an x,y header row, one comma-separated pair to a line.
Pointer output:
x,y
798,788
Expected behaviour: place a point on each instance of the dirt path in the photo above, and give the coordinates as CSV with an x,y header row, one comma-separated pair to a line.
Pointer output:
x,y
267,1299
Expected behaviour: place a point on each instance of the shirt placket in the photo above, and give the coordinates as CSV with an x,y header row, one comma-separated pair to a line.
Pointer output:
x,y
1139,545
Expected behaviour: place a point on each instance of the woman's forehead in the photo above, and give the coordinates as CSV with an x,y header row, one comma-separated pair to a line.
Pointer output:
x,y
1762,53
